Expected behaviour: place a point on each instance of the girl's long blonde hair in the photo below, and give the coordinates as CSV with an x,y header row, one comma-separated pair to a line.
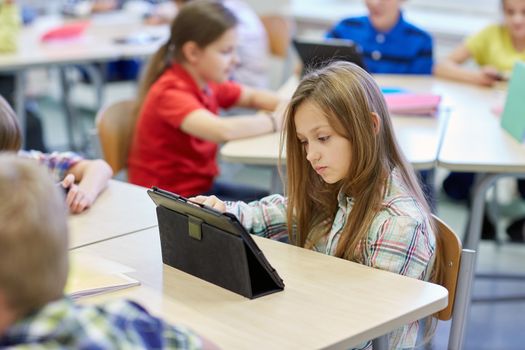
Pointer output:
x,y
348,96
200,21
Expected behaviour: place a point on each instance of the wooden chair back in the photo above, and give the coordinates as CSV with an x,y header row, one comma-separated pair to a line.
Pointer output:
x,y
279,30
450,247
115,126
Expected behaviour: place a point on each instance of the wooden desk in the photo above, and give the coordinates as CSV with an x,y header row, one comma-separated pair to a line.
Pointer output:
x,y
96,45
121,209
327,302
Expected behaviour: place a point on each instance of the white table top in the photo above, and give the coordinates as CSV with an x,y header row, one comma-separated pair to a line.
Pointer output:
x,y
121,209
419,137
96,44
327,302
475,141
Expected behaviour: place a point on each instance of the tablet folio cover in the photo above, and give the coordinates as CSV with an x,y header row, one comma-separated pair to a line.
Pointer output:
x,y
513,117
219,257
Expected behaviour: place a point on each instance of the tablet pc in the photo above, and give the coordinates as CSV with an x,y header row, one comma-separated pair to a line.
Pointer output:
x,y
513,116
213,246
137,39
318,53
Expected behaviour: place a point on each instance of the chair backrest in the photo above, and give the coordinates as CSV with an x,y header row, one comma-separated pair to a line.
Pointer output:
x,y
279,30
450,247
457,275
115,125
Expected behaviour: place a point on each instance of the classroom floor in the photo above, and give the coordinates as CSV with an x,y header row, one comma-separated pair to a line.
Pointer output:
x,y
491,326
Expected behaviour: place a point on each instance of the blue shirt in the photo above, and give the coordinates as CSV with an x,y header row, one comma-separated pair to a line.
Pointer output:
x,y
405,49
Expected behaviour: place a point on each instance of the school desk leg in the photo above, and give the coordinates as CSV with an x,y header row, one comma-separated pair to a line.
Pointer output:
x,y
380,343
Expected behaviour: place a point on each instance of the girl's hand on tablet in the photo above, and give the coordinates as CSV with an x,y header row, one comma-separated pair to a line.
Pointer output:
x,y
210,201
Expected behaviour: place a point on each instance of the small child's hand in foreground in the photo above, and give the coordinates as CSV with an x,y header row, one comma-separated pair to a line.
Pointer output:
x,y
210,201
77,199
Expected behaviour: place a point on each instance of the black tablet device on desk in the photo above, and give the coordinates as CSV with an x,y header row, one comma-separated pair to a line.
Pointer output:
x,y
213,246
315,54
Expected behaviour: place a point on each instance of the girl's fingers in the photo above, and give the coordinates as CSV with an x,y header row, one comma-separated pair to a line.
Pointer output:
x,y
68,180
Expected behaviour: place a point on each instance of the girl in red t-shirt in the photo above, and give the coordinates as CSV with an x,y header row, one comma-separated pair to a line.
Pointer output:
x,y
187,81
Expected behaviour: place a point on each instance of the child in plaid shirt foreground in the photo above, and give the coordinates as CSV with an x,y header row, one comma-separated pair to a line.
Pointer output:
x,y
33,269
67,167
350,191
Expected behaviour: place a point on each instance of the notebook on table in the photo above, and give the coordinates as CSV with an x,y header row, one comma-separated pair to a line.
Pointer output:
x,y
92,275
315,54
406,103
212,246
513,117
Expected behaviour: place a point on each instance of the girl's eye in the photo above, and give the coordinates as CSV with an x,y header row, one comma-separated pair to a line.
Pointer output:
x,y
323,138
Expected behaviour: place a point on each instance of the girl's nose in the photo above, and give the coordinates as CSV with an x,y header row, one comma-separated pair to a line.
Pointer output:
x,y
312,155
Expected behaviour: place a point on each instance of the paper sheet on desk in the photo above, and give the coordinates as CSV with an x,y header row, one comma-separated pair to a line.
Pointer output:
x,y
412,103
90,275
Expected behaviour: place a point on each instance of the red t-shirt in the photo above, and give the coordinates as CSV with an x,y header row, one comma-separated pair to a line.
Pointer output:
x,y
162,154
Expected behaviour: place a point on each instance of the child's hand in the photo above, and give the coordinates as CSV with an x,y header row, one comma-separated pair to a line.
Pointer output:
x,y
210,201
77,199
489,76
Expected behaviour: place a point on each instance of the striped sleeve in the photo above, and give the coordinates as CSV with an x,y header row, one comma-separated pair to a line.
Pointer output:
x,y
265,217
58,163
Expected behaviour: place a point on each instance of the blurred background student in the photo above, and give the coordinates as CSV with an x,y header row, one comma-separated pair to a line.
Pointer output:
x,y
252,43
84,179
186,83
494,49
389,43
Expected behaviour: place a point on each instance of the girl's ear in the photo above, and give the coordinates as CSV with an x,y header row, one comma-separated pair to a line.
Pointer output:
x,y
376,122
191,51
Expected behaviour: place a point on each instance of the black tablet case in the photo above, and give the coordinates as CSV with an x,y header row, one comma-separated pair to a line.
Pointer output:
x,y
232,261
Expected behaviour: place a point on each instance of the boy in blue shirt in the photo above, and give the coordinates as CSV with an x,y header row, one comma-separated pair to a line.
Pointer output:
x,y
389,43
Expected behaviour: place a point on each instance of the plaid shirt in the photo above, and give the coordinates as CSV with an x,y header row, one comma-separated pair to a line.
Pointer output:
x,y
400,238
121,324
58,163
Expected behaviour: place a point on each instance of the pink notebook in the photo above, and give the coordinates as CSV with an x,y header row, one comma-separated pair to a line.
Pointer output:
x,y
66,31
412,103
